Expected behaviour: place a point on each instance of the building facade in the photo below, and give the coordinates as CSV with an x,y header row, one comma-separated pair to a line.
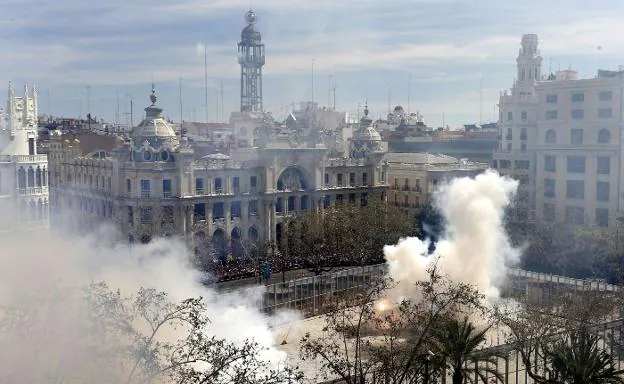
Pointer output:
x,y
560,136
413,177
23,172
152,183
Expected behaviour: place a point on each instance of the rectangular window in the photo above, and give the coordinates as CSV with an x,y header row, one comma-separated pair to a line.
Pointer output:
x,y
218,211
551,99
575,189
218,185
603,165
509,134
602,217
605,96
604,113
351,198
253,182
236,184
199,186
339,199
549,212
521,164
167,214
235,210
578,114
352,179
578,97
31,146
551,115
523,134
146,215
130,215
305,203
523,116
145,188
550,164
505,164
576,164
166,188
291,203
602,191
279,205
522,147
509,116
549,187
364,178
200,211
327,179
339,179
253,208
576,136
575,215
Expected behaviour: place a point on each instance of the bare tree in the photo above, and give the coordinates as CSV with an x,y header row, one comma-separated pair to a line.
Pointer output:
x,y
102,336
543,332
362,343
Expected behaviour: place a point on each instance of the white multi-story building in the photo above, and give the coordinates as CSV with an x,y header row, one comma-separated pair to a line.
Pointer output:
x,y
560,136
153,183
23,172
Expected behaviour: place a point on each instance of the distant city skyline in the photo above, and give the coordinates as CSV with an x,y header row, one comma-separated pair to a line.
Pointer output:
x,y
452,49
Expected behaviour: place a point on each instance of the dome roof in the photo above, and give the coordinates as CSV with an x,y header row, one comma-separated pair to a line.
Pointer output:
x,y
154,128
367,134
251,34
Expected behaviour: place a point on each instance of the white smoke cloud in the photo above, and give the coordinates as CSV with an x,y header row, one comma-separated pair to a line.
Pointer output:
x,y
38,271
474,248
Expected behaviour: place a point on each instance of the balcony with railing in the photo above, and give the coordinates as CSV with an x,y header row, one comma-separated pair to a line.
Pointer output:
x,y
24,158
30,191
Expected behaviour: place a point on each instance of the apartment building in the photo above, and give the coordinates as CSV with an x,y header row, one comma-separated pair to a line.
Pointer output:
x,y
559,136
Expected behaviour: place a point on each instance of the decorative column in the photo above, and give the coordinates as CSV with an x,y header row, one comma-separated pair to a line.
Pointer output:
x,y
209,218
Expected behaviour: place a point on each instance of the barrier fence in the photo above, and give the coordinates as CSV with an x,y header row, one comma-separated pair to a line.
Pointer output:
x,y
311,295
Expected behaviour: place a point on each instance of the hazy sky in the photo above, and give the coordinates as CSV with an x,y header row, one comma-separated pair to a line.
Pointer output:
x,y
368,46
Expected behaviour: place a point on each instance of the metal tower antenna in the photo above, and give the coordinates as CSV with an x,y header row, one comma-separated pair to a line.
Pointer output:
x,y
49,102
481,100
221,86
409,92
117,109
206,79
329,92
313,60
181,110
251,59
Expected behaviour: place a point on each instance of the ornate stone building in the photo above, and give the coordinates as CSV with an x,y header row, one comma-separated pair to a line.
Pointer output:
x,y
152,183
23,172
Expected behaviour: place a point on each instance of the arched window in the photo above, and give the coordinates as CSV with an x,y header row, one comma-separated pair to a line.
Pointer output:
x,y
39,181
31,177
21,178
551,137
604,136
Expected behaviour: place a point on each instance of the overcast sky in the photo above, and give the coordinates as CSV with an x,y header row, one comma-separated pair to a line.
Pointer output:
x,y
368,46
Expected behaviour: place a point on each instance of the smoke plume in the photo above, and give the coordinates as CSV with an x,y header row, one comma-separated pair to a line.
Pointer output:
x,y
43,316
474,248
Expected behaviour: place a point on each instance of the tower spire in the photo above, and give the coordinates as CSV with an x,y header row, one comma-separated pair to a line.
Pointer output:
x,y
251,59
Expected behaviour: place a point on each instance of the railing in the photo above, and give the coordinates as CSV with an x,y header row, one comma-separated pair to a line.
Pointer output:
x,y
32,191
310,294
24,158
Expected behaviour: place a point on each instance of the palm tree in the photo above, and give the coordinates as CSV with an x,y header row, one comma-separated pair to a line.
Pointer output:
x,y
456,343
578,359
